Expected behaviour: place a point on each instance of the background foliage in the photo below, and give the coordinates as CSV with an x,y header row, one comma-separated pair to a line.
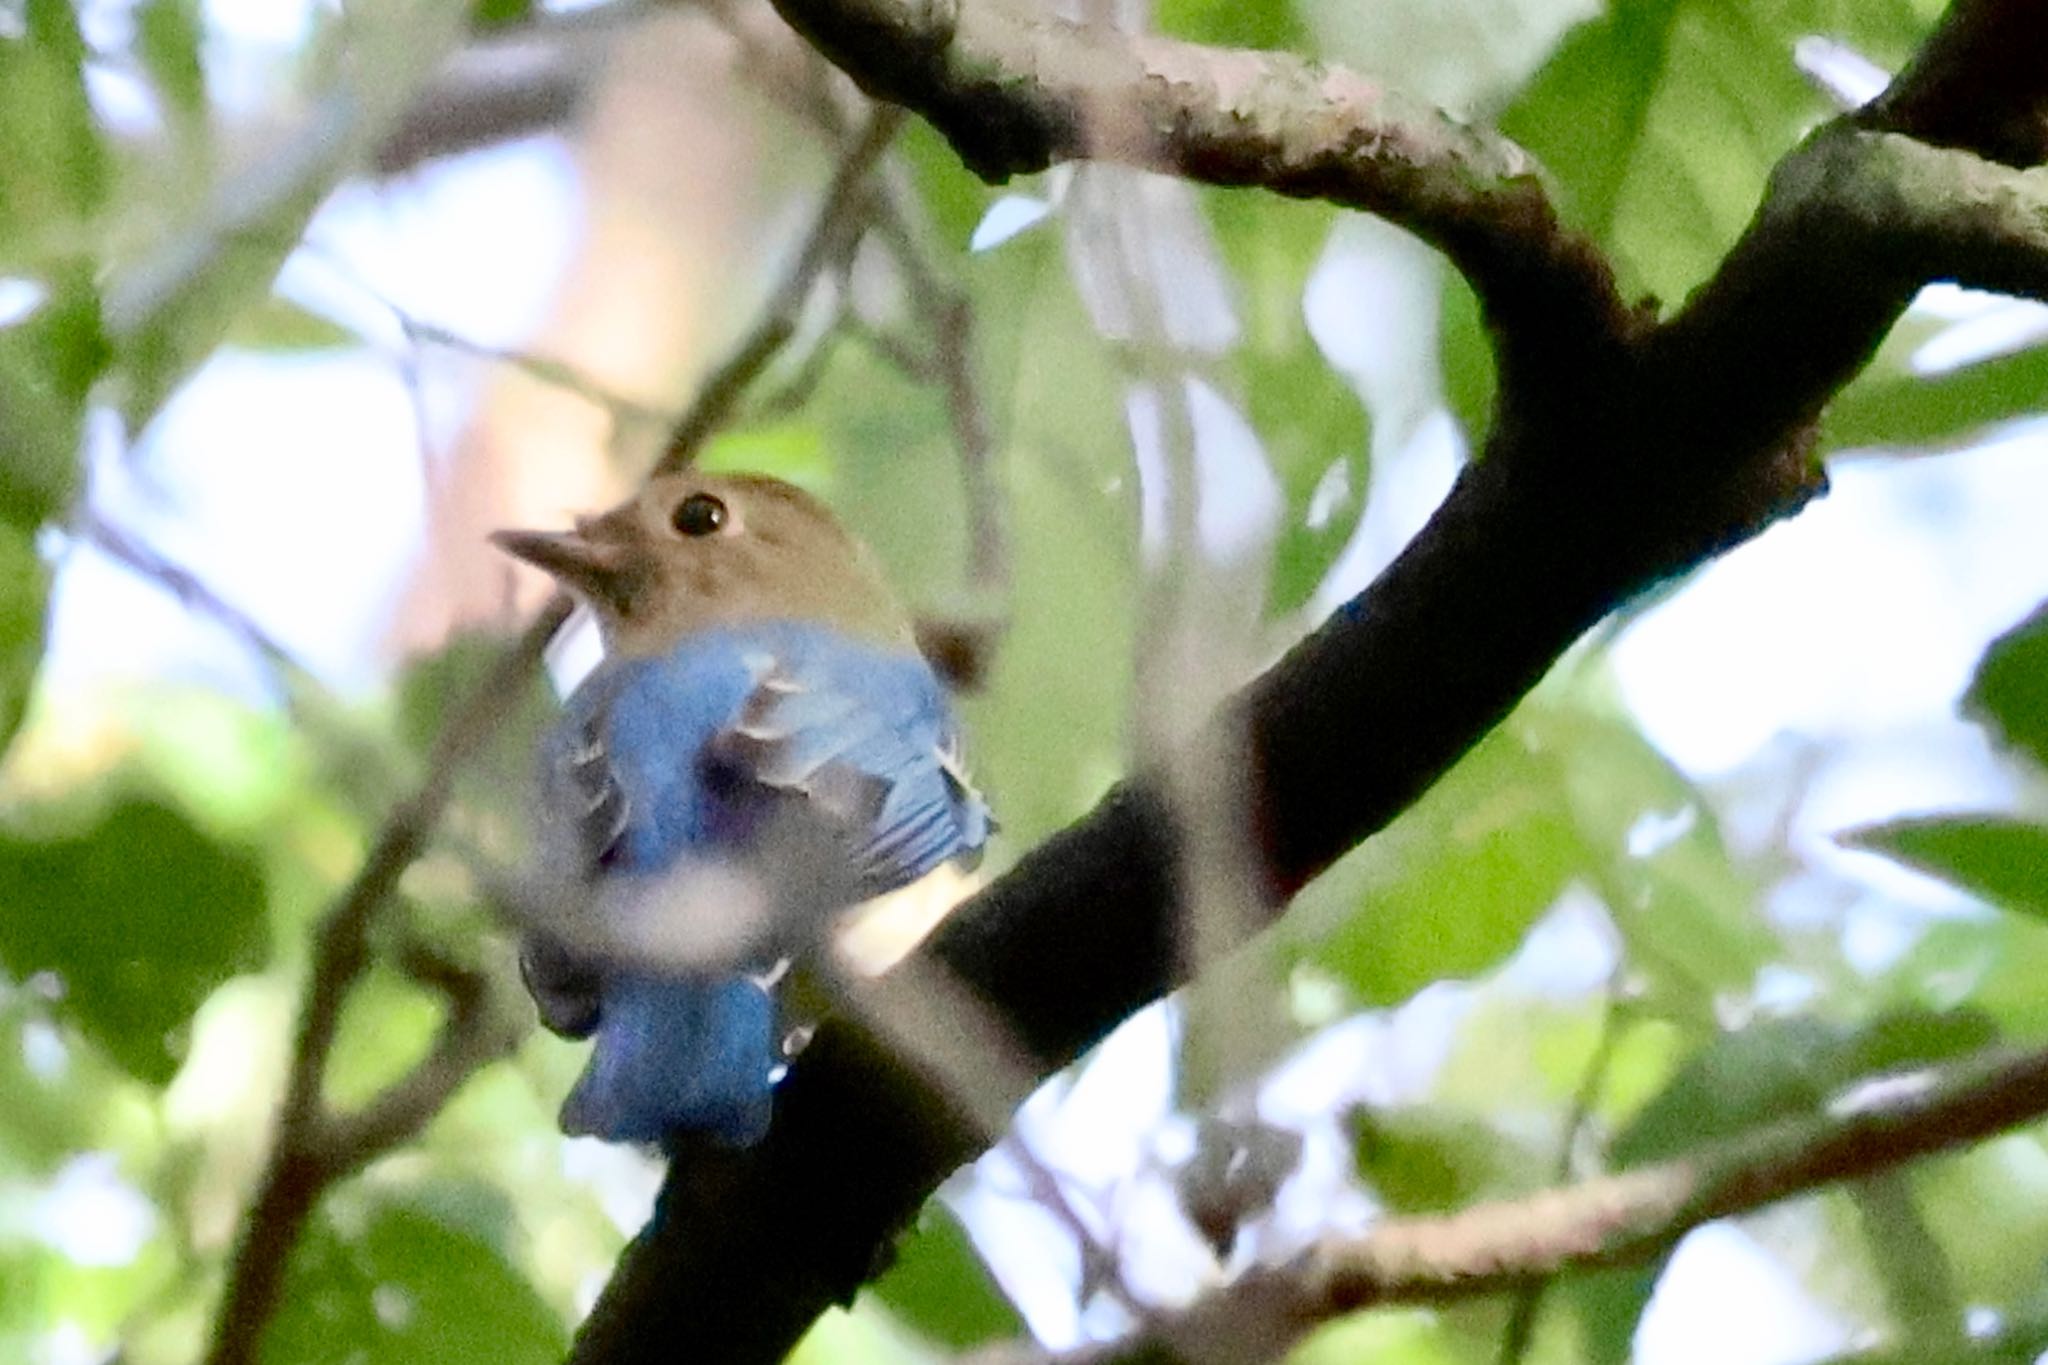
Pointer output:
x,y
1640,961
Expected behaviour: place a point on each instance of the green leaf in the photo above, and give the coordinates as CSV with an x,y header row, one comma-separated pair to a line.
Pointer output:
x,y
171,307
1308,418
2009,695
490,14
1783,1068
1425,1160
24,591
1267,24
278,324
499,777
952,194
56,162
1662,119
408,1287
1465,354
2003,860
938,1284
1455,883
1608,1305
141,917
1889,406
1583,115
1687,913
48,363
168,37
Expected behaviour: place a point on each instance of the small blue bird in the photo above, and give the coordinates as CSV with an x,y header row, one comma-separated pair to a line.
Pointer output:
x,y
761,704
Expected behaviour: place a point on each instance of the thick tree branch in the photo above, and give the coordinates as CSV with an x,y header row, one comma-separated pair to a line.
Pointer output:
x,y
1654,449
1013,95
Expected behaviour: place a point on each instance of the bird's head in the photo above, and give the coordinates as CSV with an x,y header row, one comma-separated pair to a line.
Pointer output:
x,y
691,551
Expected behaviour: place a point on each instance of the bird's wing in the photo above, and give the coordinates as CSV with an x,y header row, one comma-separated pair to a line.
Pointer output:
x,y
864,740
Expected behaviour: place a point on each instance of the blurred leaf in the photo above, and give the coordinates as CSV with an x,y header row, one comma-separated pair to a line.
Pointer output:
x,y
168,38
499,777
24,587
1268,24
2009,695
278,324
1988,1209
1460,877
171,307
1662,118
2003,860
955,196
1308,418
48,363
489,14
141,917
1920,1291
1888,405
938,1285
1994,964
406,1288
1608,1305
793,450
1426,1160
1314,431
1584,112
1465,355
1395,1336
49,142
1688,914
1784,1068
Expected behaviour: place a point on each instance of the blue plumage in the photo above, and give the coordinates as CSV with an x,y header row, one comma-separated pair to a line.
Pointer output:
x,y
691,753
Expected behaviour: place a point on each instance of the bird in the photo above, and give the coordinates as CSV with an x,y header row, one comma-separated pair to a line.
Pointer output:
x,y
761,704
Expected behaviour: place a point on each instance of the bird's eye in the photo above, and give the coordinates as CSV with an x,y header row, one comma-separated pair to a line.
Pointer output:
x,y
700,514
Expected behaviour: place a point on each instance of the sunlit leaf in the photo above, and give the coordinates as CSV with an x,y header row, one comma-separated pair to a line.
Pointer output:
x,y
1267,24
2001,859
168,37
1584,113
2010,692
49,141
278,324
1663,118
140,917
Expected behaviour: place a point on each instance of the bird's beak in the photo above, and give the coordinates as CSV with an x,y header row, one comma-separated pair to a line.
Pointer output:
x,y
597,568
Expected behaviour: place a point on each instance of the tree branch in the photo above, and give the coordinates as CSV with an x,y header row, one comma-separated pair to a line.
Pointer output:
x,y
313,1148
304,1161
1651,450
1013,95
1618,1219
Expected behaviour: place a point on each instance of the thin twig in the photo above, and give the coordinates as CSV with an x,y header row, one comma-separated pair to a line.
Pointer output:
x,y
1520,1331
301,1166
1875,1126
194,592
312,1148
837,224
